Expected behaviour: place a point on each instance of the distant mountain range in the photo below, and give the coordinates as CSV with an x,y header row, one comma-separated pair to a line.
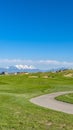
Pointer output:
x,y
19,68
26,68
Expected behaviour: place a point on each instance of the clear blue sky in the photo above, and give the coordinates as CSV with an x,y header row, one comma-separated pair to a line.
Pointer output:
x,y
36,29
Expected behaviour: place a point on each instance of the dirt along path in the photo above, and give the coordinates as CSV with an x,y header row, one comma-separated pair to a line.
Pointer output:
x,y
49,101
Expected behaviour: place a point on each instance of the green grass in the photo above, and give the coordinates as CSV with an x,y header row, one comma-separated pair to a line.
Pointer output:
x,y
18,113
68,98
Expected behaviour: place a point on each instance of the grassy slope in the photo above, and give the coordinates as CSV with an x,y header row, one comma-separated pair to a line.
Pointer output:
x,y
66,98
17,113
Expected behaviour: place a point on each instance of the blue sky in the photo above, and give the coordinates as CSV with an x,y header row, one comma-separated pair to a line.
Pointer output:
x,y
36,30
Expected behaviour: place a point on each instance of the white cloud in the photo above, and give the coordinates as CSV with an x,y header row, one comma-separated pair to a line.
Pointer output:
x,y
46,64
55,64
49,62
14,61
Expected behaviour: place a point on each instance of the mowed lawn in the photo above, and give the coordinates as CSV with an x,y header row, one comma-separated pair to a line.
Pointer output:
x,y
18,113
68,98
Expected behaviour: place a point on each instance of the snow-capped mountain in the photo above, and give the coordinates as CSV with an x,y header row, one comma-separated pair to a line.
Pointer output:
x,y
24,67
19,68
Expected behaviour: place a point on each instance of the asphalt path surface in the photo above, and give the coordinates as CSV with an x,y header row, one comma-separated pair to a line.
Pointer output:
x,y
49,101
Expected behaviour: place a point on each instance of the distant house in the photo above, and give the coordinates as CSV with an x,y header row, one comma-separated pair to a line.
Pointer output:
x,y
15,73
4,73
22,73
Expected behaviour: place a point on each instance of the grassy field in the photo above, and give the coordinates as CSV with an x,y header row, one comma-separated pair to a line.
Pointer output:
x,y
17,113
66,98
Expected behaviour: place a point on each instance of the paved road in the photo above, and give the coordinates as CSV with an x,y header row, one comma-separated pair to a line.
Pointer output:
x,y
50,102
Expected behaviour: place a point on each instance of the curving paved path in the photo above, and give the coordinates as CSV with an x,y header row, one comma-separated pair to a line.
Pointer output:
x,y
50,102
